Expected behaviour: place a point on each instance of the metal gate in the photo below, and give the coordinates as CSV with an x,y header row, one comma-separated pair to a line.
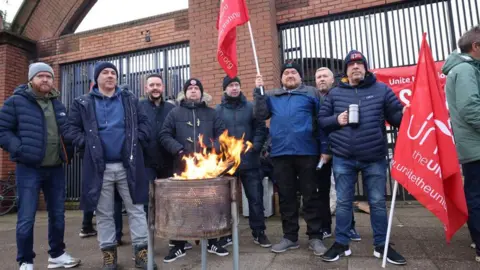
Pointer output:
x,y
172,62
389,36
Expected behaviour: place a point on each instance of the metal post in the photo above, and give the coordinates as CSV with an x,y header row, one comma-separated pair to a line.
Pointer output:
x,y
235,234
151,225
204,254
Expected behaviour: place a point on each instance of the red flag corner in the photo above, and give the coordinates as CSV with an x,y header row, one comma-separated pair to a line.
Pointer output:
x,y
232,14
425,159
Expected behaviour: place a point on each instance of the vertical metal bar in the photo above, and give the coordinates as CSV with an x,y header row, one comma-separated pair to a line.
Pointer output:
x,y
330,30
151,225
204,254
441,14
464,13
453,39
388,42
433,34
235,232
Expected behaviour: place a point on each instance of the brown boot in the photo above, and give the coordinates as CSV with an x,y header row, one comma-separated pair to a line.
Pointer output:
x,y
141,257
109,258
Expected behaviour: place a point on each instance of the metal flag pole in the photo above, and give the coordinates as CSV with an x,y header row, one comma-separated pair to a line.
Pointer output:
x,y
389,228
235,224
254,53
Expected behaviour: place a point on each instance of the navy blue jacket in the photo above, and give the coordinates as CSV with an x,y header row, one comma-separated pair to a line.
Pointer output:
x,y
377,104
185,123
237,115
83,131
156,156
23,131
293,124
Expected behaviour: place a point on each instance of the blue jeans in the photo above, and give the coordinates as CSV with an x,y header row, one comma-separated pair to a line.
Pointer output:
x,y
252,183
375,180
29,182
471,172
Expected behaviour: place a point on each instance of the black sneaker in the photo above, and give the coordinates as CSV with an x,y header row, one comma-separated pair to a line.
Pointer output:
x,y
262,240
392,256
225,241
84,233
174,254
214,249
336,251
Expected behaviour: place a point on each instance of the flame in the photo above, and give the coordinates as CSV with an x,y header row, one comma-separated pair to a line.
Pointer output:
x,y
211,164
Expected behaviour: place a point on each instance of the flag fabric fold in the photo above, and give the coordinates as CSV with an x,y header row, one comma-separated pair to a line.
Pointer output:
x,y
232,13
425,160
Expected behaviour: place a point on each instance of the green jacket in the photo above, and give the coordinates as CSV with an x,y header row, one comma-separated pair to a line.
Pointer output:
x,y
463,97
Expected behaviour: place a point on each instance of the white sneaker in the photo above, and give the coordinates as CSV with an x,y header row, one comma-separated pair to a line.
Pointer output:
x,y
64,261
473,245
26,266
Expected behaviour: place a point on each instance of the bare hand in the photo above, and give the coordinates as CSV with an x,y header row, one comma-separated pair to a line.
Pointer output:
x,y
326,158
342,118
259,81
405,108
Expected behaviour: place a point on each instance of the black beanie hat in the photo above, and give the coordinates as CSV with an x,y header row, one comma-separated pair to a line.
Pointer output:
x,y
192,81
227,80
355,55
99,66
292,65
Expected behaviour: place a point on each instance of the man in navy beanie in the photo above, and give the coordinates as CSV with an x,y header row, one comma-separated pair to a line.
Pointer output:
x,y
112,130
360,148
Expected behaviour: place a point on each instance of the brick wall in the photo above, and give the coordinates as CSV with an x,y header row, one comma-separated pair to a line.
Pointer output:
x,y
295,10
164,29
203,43
13,71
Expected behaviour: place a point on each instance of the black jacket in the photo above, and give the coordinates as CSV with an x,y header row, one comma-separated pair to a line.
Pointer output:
x,y
156,156
237,114
185,123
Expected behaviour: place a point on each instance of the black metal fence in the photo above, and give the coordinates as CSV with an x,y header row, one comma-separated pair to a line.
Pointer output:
x,y
389,36
172,62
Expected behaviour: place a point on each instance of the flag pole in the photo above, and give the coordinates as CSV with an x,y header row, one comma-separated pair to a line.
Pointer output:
x,y
254,52
389,228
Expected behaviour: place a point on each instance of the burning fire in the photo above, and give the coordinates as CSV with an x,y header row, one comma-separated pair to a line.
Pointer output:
x,y
210,165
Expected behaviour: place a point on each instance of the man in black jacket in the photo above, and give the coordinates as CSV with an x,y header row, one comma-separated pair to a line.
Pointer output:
x,y
237,114
180,135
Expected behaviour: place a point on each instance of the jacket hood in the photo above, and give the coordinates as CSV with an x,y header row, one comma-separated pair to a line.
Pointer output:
x,y
193,105
96,92
205,97
26,91
229,101
457,58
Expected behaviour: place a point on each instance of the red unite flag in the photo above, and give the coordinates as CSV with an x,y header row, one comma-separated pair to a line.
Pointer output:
x,y
232,14
425,160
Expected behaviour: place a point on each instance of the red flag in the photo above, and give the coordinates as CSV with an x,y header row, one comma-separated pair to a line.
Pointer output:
x,y
425,160
232,14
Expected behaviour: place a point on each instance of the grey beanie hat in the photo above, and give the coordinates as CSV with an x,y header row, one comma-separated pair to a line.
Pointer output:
x,y
35,68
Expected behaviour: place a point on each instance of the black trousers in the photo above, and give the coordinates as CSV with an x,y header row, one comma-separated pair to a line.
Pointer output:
x,y
324,185
298,173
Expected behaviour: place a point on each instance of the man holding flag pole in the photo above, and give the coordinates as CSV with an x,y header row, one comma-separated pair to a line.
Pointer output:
x,y
425,162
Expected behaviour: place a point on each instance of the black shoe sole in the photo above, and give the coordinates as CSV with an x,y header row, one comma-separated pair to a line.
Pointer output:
x,y
379,256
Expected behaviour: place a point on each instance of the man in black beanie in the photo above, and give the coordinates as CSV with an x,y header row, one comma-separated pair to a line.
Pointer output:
x,y
237,114
112,130
180,137
297,145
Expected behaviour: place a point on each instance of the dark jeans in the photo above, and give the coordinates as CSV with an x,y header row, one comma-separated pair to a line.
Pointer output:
x,y
375,179
29,182
286,170
324,182
252,183
88,216
471,172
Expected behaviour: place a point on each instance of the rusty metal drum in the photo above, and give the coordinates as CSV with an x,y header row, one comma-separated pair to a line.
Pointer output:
x,y
193,209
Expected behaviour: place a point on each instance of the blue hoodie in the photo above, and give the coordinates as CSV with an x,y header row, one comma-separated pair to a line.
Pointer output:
x,y
110,116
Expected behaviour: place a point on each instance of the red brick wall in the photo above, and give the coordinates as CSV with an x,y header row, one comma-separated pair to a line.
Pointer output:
x,y
295,10
203,43
13,71
164,29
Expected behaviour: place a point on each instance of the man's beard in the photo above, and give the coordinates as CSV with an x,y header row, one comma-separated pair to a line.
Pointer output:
x,y
38,87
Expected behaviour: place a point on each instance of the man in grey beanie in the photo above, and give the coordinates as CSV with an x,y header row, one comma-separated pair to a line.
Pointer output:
x,y
33,123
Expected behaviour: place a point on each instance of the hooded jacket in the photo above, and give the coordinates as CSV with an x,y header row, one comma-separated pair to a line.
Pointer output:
x,y
463,98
